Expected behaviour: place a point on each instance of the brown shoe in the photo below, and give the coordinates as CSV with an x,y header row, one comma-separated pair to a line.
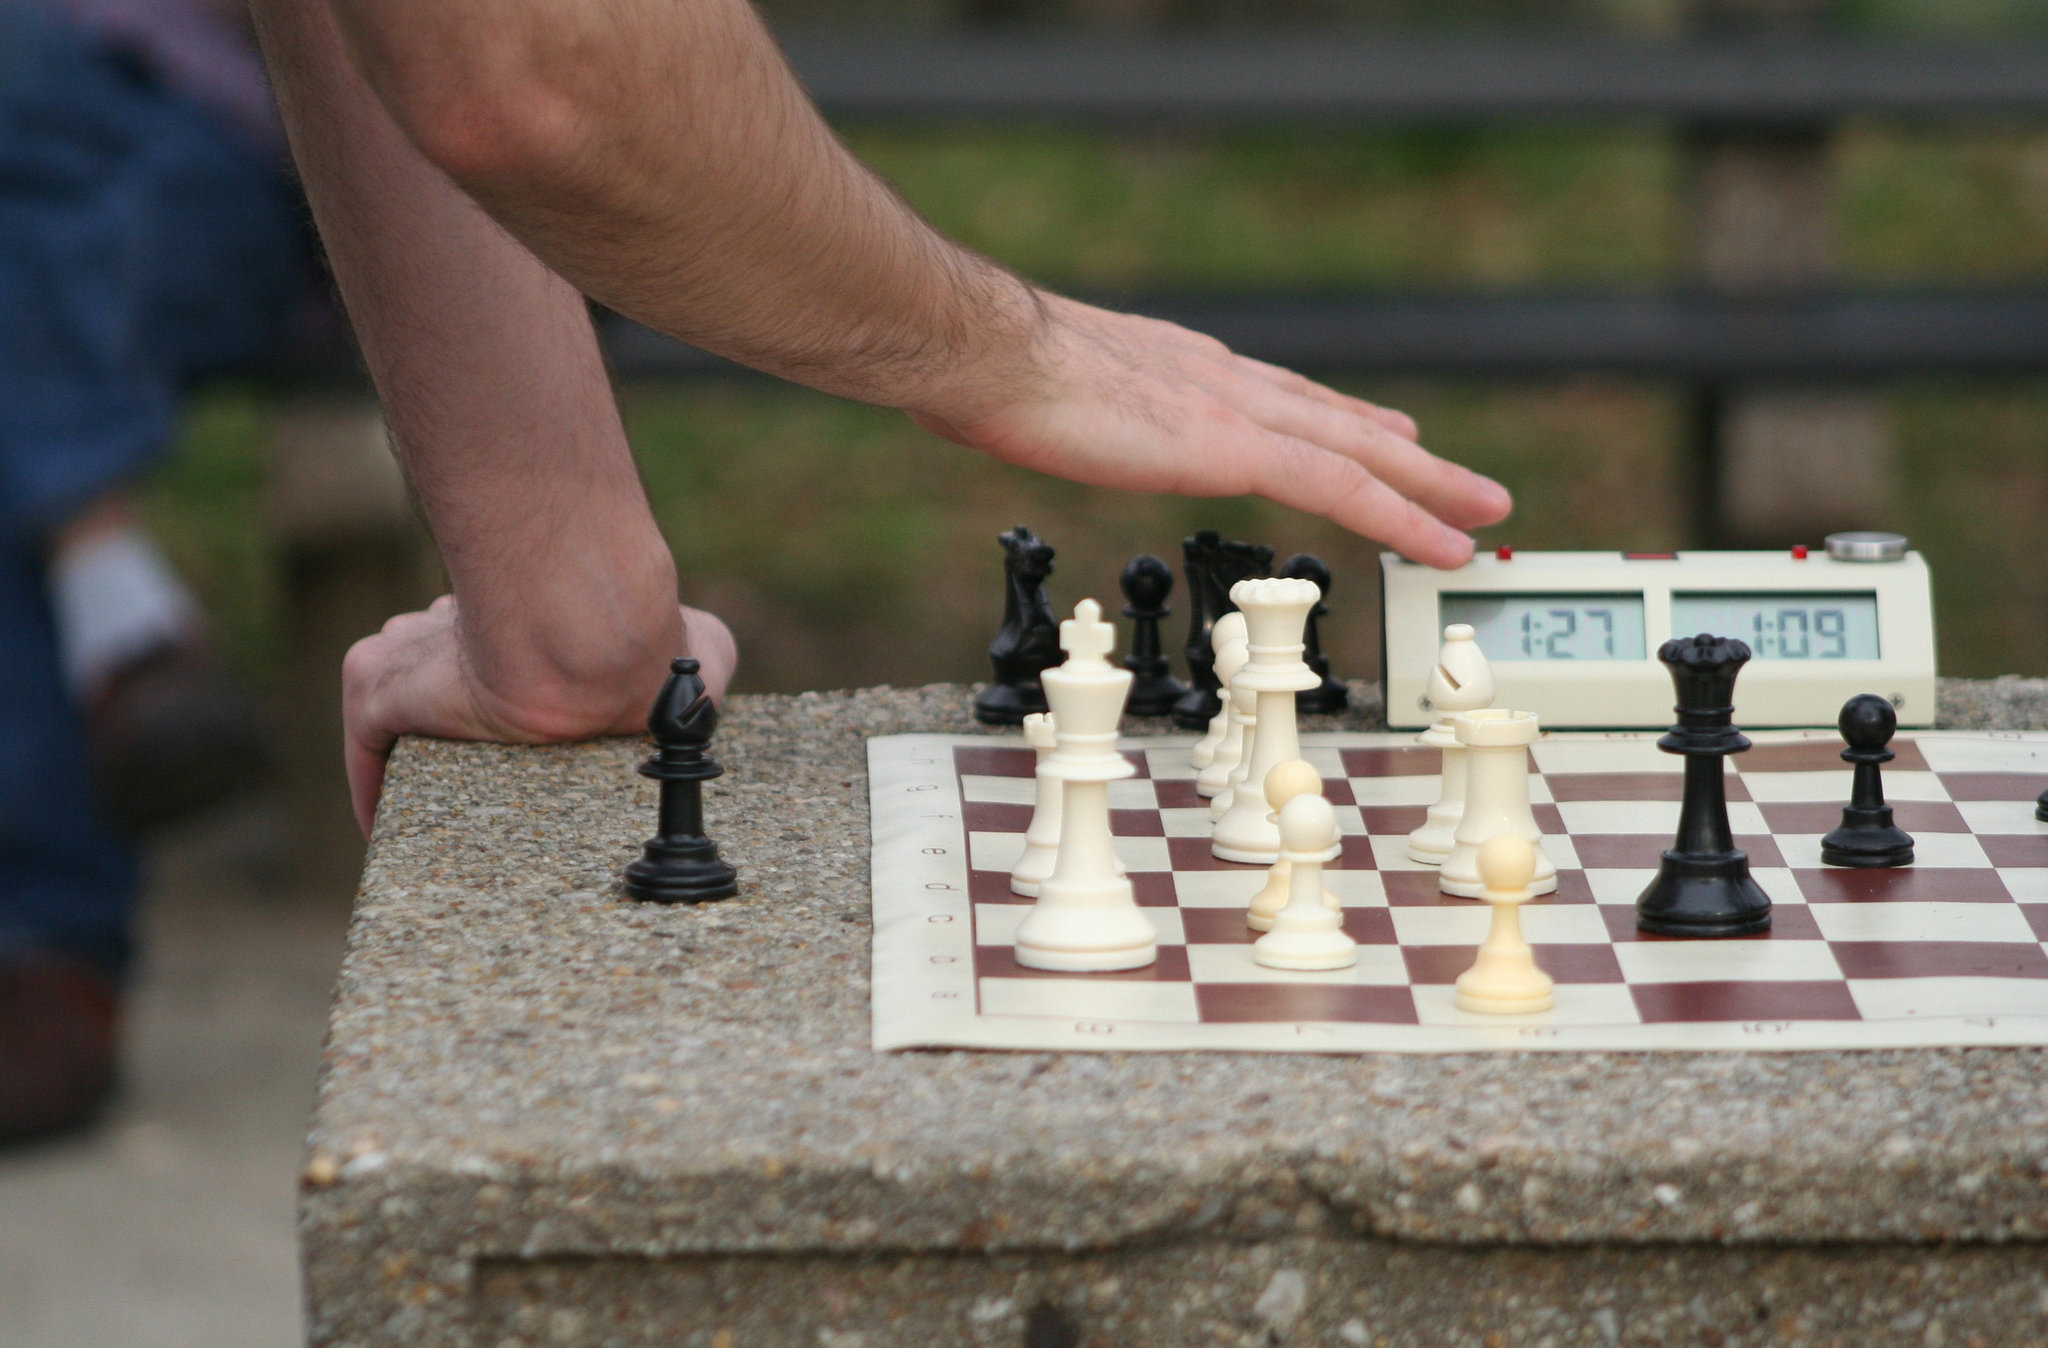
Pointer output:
x,y
58,1022
172,734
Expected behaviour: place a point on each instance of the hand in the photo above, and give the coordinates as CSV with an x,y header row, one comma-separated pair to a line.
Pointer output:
x,y
416,677
1142,405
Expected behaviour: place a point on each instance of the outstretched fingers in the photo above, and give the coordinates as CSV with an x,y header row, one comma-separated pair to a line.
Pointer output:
x,y
1298,473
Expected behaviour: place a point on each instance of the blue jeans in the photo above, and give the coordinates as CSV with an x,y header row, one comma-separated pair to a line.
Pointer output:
x,y
139,245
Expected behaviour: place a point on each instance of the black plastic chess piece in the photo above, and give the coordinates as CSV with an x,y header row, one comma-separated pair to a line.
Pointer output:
x,y
679,864
1213,564
1147,582
1331,696
1867,836
1703,885
1029,642
2041,807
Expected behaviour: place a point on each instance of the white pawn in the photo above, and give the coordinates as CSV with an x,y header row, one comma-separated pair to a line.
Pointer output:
x,y
1275,613
1496,743
1042,838
1214,780
1087,916
1504,980
1461,681
1295,777
1226,629
1306,934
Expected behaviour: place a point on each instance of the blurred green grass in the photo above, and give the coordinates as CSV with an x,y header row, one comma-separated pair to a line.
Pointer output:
x,y
848,547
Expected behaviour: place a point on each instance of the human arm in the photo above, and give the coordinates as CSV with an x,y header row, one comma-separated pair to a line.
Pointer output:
x,y
662,157
563,615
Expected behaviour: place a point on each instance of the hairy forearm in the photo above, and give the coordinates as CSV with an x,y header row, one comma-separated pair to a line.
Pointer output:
x,y
492,382
660,154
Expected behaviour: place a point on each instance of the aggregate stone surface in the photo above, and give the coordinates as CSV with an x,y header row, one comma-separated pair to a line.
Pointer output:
x,y
523,1064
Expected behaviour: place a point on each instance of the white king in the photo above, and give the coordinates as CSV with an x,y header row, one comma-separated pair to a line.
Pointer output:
x,y
1275,613
1087,916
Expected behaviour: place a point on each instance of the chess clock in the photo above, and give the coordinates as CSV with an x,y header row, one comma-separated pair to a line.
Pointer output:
x,y
1573,636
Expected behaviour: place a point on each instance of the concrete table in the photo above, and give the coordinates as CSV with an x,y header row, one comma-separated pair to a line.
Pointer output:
x,y
551,1116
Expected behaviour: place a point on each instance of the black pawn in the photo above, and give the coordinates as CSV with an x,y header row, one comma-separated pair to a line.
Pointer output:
x,y
1331,696
1213,564
1703,885
1028,643
2041,807
1867,837
1147,582
680,864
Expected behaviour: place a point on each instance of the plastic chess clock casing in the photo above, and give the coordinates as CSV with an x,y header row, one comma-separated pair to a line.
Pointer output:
x,y
1824,629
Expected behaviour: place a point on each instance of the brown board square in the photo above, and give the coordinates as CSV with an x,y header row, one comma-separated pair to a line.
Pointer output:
x,y
1177,793
1564,963
1824,755
988,816
1136,824
2016,849
1736,1001
2037,918
992,887
1393,821
974,760
1902,884
1576,786
1415,762
1994,785
1268,1003
1942,959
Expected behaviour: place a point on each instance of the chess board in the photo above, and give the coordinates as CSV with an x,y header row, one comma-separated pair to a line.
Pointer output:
x,y
1950,951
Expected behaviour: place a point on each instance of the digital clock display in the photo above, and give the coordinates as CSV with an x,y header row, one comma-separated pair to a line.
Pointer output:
x,y
1551,626
1785,626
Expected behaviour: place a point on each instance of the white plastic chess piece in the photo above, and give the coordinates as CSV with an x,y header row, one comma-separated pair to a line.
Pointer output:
x,y
1226,629
1461,681
1243,706
1237,710
1496,743
1504,980
1042,837
1087,916
1275,612
1306,934
1295,777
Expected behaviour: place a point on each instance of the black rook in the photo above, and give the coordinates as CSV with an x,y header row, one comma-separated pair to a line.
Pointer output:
x,y
1703,885
1330,696
679,864
1213,564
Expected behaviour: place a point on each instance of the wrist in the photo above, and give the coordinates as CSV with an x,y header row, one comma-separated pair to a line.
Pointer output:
x,y
1003,356
565,651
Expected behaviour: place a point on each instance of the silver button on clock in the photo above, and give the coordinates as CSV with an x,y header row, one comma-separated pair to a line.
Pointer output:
x,y
1867,546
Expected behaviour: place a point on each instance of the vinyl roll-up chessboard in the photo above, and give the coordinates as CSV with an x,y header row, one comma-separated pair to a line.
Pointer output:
x,y
1952,950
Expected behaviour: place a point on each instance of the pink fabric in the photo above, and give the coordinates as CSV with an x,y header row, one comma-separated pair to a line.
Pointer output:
x,y
201,48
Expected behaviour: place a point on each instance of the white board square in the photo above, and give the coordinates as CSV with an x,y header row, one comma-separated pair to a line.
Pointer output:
x,y
1090,999
995,851
2001,816
1563,853
1131,793
2025,884
1140,854
1984,753
1658,817
1186,821
1390,853
1923,922
1632,754
980,790
1725,961
1904,998
1776,881
1620,885
1378,965
1170,765
1234,889
1416,790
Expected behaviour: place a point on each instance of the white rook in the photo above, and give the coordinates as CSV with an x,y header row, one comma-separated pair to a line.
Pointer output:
x,y
1496,744
1275,612
1087,916
1042,836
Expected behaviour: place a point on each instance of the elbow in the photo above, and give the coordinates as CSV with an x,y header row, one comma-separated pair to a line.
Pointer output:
x,y
478,105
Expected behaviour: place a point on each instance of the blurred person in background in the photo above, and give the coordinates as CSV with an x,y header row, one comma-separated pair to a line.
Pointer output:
x,y
148,232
